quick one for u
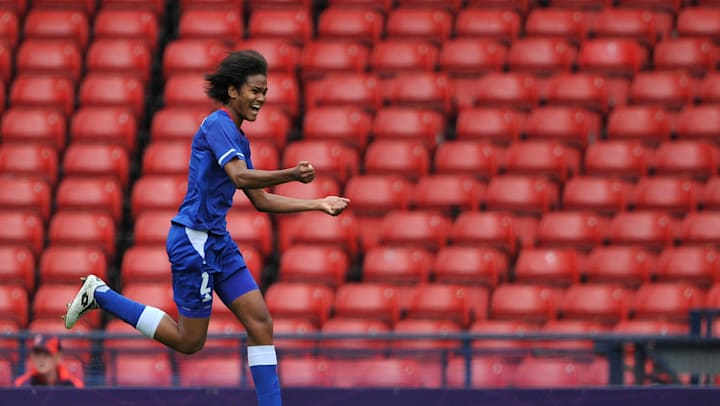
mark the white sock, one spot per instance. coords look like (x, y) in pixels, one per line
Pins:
(261, 355)
(149, 321)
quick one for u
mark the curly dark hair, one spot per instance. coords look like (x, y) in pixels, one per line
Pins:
(233, 71)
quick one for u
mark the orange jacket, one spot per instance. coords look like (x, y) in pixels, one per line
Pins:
(65, 378)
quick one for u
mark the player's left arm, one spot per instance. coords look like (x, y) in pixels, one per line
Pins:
(269, 202)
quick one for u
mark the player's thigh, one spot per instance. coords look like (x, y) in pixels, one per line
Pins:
(239, 291)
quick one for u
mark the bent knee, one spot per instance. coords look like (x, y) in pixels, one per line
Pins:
(189, 347)
(262, 325)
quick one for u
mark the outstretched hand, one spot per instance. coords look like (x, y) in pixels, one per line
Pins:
(334, 205)
(304, 172)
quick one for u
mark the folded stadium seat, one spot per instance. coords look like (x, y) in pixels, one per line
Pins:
(417, 228)
(585, 90)
(216, 370)
(314, 264)
(556, 22)
(219, 24)
(488, 229)
(603, 303)
(698, 22)
(293, 24)
(22, 228)
(285, 93)
(447, 302)
(623, 159)
(521, 194)
(531, 303)
(148, 263)
(280, 54)
(134, 23)
(324, 56)
(18, 267)
(65, 265)
(33, 161)
(696, 55)
(587, 5)
(605, 196)
(672, 90)
(700, 228)
(178, 123)
(187, 90)
(570, 327)
(75, 345)
(552, 267)
(515, 90)
(635, 24)
(709, 88)
(574, 127)
(134, 344)
(105, 125)
(346, 124)
(27, 194)
(121, 56)
(113, 90)
(468, 157)
(541, 56)
(318, 228)
(251, 228)
(424, 348)
(419, 23)
(448, 193)
(549, 373)
(711, 194)
(688, 158)
(155, 159)
(9, 27)
(57, 24)
(407, 123)
(281, 326)
(464, 90)
(498, 24)
(420, 90)
(697, 265)
(627, 266)
(272, 127)
(648, 228)
(34, 125)
(345, 89)
(650, 327)
(357, 347)
(97, 195)
(546, 158)
(611, 56)
(381, 373)
(87, 229)
(58, 93)
(356, 24)
(304, 372)
(508, 348)
(157, 7)
(300, 300)
(648, 124)
(192, 55)
(470, 265)
(712, 300)
(580, 230)
(377, 194)
(321, 186)
(701, 122)
(14, 304)
(674, 195)
(394, 57)
(158, 294)
(497, 125)
(131, 369)
(97, 160)
(151, 227)
(397, 265)
(367, 301)
(486, 372)
(471, 56)
(327, 157)
(397, 157)
(50, 301)
(669, 301)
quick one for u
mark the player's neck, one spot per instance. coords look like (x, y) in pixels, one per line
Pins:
(233, 115)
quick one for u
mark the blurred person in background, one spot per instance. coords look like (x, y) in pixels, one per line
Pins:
(47, 369)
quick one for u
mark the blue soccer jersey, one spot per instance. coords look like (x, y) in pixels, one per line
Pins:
(210, 190)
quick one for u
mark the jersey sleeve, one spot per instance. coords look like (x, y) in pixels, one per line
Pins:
(223, 141)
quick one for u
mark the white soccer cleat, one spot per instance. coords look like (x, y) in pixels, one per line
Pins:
(84, 301)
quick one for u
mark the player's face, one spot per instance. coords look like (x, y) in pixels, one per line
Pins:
(250, 97)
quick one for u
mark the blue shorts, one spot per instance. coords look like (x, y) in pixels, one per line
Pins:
(203, 262)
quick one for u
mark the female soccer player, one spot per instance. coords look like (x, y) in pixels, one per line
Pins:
(202, 254)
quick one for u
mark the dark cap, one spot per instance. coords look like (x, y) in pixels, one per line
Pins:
(46, 343)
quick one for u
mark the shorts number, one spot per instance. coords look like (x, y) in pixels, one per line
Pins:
(204, 288)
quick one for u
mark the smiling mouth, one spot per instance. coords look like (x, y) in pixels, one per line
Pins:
(255, 108)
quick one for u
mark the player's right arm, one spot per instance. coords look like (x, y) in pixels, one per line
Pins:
(246, 178)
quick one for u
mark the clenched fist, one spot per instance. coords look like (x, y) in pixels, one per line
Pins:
(334, 205)
(304, 172)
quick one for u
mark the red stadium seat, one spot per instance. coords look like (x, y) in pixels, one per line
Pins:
(90, 195)
(112, 347)
(586, 5)
(83, 229)
(216, 370)
(635, 24)
(265, 155)
(626, 159)
(516, 90)
(572, 126)
(501, 327)
(320, 187)
(595, 302)
(59, 93)
(323, 57)
(220, 24)
(672, 194)
(533, 303)
(11, 349)
(369, 301)
(697, 55)
(667, 89)
(140, 370)
(24, 193)
(273, 126)
(579, 230)
(556, 22)
(487, 372)
(618, 56)
(649, 327)
(367, 326)
(603, 195)
(67, 264)
(397, 157)
(698, 22)
(155, 158)
(709, 88)
(121, 56)
(407, 123)
(417, 228)
(345, 89)
(157, 193)
(622, 265)
(290, 326)
(346, 124)
(560, 267)
(281, 55)
(659, 5)
(21, 228)
(385, 372)
(312, 302)
(14, 304)
(319, 229)
(498, 125)
(326, 156)
(490, 229)
(127, 23)
(420, 90)
(35, 161)
(393, 57)
(9, 27)
(548, 373)
(251, 228)
(187, 90)
(55, 57)
(379, 5)
(116, 90)
(470, 266)
(468, 157)
(34, 125)
(17, 267)
(158, 294)
(311, 264)
(149, 264)
(345, 23)
(470, 56)
(584, 327)
(157, 7)
(192, 56)
(667, 301)
(586, 90)
(177, 124)
(151, 227)
(304, 372)
(426, 347)
(521, 5)
(521, 194)
(697, 265)
(541, 55)
(397, 265)
(6, 66)
(293, 24)
(377, 194)
(285, 93)
(711, 194)
(428, 24)
(448, 193)
(57, 24)
(498, 24)
(86, 6)
(97, 160)
(105, 125)
(548, 158)
(652, 229)
(76, 345)
(693, 158)
(700, 122)
(441, 302)
(700, 228)
(50, 302)
(649, 124)
(211, 4)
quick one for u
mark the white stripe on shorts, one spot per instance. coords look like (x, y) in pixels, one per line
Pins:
(198, 240)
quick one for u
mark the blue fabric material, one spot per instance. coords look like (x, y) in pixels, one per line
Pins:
(118, 305)
(267, 385)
